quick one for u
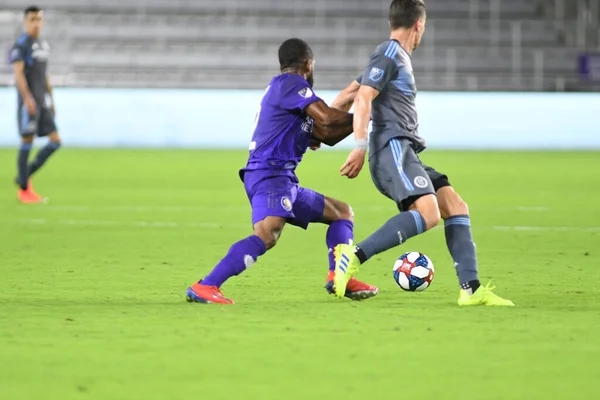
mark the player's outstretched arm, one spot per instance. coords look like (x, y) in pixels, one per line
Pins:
(345, 99)
(331, 125)
(362, 111)
(362, 116)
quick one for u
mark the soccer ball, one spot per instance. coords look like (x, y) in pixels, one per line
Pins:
(413, 272)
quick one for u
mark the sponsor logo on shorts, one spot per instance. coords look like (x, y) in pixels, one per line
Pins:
(376, 74)
(286, 204)
(421, 182)
(306, 93)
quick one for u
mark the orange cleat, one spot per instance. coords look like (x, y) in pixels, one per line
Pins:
(355, 289)
(29, 197)
(199, 293)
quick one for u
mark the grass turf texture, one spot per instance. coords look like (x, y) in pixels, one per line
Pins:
(92, 286)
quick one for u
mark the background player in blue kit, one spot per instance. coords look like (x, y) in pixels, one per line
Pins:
(386, 91)
(289, 118)
(35, 113)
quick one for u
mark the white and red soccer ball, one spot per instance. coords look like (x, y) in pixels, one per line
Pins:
(413, 272)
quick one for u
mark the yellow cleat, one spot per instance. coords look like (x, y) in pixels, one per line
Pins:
(346, 266)
(483, 296)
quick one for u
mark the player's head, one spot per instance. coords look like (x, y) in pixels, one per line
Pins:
(33, 19)
(296, 55)
(409, 15)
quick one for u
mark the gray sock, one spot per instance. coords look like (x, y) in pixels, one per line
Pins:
(394, 232)
(43, 155)
(22, 158)
(460, 243)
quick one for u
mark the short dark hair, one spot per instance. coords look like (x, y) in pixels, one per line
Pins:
(32, 9)
(294, 53)
(406, 13)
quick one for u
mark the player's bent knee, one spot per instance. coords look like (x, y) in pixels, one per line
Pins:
(269, 237)
(463, 208)
(336, 210)
(432, 217)
(428, 207)
(269, 230)
(345, 212)
(451, 204)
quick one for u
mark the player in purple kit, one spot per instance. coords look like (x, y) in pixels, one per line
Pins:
(291, 118)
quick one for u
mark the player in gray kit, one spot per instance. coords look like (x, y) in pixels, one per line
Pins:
(35, 114)
(386, 92)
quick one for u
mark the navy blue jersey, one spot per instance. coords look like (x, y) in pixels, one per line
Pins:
(34, 52)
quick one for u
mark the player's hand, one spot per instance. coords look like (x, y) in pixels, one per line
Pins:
(30, 105)
(314, 144)
(354, 163)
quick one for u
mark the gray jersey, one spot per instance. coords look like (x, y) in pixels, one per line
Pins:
(394, 112)
(34, 53)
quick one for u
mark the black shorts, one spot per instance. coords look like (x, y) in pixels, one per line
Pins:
(41, 124)
(399, 174)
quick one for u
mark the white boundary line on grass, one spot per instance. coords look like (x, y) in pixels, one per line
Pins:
(136, 224)
(548, 228)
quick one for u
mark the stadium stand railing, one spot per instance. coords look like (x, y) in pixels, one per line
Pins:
(469, 44)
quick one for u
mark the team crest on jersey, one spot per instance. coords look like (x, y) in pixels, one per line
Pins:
(421, 182)
(306, 93)
(376, 74)
(286, 204)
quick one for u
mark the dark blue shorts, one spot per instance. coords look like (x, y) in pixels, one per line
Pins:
(41, 124)
(280, 196)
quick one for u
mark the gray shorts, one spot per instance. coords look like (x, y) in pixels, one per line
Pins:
(40, 125)
(399, 174)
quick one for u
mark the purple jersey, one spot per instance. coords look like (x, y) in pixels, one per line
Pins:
(282, 128)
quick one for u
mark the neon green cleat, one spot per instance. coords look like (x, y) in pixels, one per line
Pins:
(346, 266)
(483, 296)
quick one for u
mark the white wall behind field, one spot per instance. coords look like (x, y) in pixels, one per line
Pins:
(107, 118)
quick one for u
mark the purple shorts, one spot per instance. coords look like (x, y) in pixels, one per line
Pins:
(280, 196)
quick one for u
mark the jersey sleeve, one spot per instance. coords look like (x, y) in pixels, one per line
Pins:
(17, 53)
(379, 72)
(296, 94)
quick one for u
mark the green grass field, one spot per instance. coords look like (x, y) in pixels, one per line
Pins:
(92, 286)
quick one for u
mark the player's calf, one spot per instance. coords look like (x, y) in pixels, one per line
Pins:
(22, 160)
(459, 239)
(336, 210)
(422, 215)
(44, 154)
(450, 203)
(241, 255)
(269, 230)
(429, 209)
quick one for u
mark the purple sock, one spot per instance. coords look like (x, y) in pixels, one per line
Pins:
(339, 232)
(241, 255)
